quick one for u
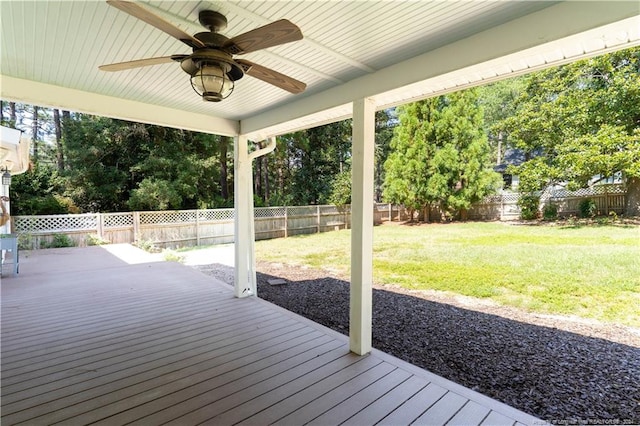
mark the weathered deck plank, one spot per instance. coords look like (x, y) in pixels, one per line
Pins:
(104, 342)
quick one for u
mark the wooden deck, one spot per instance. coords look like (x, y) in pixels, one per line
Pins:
(90, 338)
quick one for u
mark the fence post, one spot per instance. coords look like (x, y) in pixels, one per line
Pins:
(197, 227)
(99, 224)
(318, 219)
(136, 226)
(286, 221)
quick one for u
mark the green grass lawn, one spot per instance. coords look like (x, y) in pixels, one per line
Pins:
(590, 271)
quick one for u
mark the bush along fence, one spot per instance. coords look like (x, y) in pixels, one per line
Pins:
(185, 228)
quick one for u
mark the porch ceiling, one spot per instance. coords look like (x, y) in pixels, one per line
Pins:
(393, 52)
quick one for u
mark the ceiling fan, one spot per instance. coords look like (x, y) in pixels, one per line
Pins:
(212, 66)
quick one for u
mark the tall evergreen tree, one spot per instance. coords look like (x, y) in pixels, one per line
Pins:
(440, 155)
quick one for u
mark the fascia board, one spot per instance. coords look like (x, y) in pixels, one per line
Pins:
(32, 92)
(553, 23)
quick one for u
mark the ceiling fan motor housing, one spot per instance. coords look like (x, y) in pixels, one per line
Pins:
(213, 21)
(211, 39)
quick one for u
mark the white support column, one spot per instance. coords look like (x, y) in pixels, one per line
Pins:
(245, 277)
(245, 282)
(360, 315)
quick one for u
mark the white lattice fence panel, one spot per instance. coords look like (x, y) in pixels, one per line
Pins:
(269, 212)
(165, 217)
(117, 220)
(55, 223)
(588, 192)
(614, 189)
(510, 197)
(216, 214)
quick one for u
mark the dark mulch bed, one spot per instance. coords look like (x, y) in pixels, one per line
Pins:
(554, 368)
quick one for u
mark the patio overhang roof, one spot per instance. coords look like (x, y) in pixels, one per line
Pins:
(396, 56)
(357, 56)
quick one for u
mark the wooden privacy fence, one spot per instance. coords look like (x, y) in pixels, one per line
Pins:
(179, 228)
(608, 198)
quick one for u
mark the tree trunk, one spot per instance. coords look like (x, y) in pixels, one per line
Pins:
(265, 178)
(12, 114)
(257, 175)
(224, 188)
(59, 152)
(35, 134)
(632, 199)
(280, 179)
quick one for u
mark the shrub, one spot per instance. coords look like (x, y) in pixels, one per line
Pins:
(172, 256)
(588, 208)
(155, 194)
(550, 211)
(148, 246)
(95, 240)
(25, 241)
(58, 241)
(341, 189)
(529, 206)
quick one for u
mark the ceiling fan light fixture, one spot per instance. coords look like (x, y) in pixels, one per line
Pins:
(211, 82)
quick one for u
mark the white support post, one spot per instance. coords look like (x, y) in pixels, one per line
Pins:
(245, 282)
(245, 278)
(360, 315)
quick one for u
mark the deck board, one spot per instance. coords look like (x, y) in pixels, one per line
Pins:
(443, 410)
(387, 403)
(471, 413)
(414, 406)
(356, 403)
(97, 340)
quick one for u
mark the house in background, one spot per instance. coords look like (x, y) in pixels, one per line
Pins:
(512, 157)
(515, 157)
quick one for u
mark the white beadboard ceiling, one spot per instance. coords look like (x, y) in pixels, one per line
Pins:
(391, 51)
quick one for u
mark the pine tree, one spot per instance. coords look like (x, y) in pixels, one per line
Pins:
(440, 156)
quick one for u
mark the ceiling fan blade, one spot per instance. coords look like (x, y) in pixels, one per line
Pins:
(121, 66)
(273, 34)
(150, 18)
(272, 77)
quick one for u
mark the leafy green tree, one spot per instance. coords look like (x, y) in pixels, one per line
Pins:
(386, 120)
(113, 165)
(37, 192)
(579, 121)
(306, 163)
(155, 194)
(498, 101)
(100, 153)
(341, 189)
(440, 155)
